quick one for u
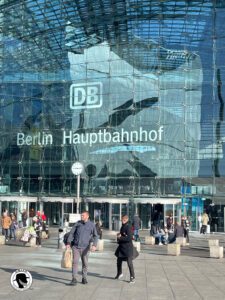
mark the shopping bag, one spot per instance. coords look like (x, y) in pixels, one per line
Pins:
(66, 261)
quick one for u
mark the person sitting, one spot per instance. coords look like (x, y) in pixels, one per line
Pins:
(157, 233)
(165, 237)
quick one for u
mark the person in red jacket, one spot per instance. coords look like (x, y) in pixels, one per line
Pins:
(43, 217)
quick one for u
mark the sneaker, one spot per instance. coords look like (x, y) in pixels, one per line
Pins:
(132, 280)
(73, 281)
(160, 244)
(119, 276)
(84, 281)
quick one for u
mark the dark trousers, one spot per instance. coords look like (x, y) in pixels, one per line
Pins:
(38, 238)
(5, 232)
(186, 235)
(204, 229)
(83, 254)
(129, 263)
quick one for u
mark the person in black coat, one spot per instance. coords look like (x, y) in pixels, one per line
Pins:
(124, 251)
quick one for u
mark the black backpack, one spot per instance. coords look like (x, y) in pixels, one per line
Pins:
(65, 238)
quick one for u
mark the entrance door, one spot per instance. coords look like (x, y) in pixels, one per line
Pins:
(100, 212)
(53, 211)
(174, 211)
(116, 216)
(193, 207)
(157, 215)
(145, 214)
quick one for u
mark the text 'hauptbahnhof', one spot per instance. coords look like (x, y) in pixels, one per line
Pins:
(133, 90)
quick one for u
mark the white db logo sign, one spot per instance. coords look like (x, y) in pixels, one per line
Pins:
(86, 95)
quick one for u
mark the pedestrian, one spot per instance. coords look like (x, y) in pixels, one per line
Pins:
(44, 224)
(38, 230)
(24, 218)
(13, 226)
(99, 229)
(169, 222)
(43, 216)
(6, 222)
(124, 251)
(82, 235)
(179, 230)
(159, 234)
(186, 225)
(136, 225)
(200, 222)
(205, 220)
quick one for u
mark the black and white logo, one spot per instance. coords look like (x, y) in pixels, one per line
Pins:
(21, 280)
(86, 95)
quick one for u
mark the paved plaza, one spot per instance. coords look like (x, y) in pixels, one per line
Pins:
(192, 275)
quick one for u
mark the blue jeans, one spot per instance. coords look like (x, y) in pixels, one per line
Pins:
(136, 234)
(159, 236)
(12, 233)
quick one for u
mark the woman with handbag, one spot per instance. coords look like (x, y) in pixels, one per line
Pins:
(125, 251)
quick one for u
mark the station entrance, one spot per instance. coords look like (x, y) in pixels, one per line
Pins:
(157, 211)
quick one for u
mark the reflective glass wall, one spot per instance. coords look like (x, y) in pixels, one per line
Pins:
(132, 89)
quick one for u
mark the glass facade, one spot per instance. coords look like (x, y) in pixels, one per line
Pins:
(133, 89)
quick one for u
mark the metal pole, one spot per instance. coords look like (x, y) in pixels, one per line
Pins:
(78, 193)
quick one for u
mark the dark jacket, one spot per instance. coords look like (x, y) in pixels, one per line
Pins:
(179, 231)
(137, 222)
(82, 234)
(125, 248)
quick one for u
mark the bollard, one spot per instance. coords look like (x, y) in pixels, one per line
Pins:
(2, 240)
(173, 249)
(150, 240)
(216, 251)
(213, 243)
(181, 241)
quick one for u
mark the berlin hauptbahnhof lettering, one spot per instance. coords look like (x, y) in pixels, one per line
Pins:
(97, 137)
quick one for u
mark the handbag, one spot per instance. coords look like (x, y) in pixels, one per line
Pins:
(135, 253)
(66, 261)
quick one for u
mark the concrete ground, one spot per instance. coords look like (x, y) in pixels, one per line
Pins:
(192, 275)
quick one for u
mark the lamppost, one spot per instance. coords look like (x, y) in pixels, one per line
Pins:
(77, 168)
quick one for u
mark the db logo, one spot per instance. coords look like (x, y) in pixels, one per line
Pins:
(86, 95)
